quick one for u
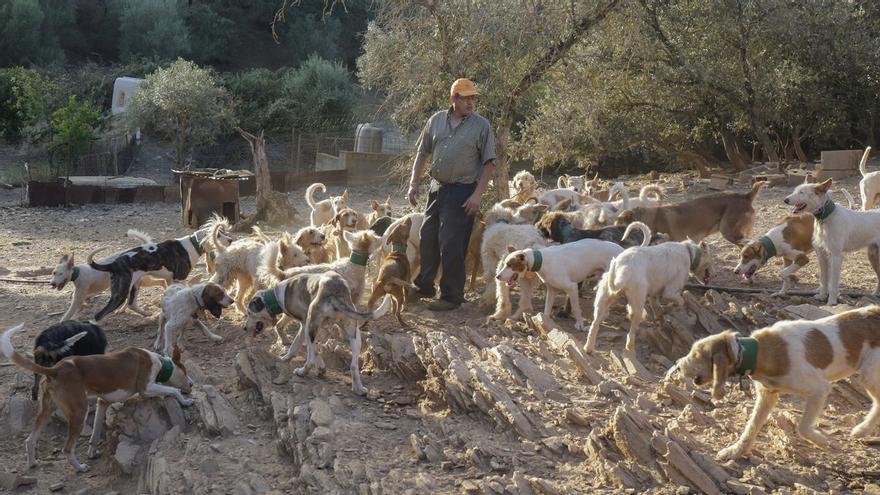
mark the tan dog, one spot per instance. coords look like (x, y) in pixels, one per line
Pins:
(379, 210)
(323, 211)
(113, 377)
(394, 274)
(730, 213)
(346, 220)
(800, 357)
(473, 261)
(313, 242)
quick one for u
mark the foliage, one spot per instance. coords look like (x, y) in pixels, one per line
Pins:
(210, 33)
(26, 100)
(29, 31)
(309, 34)
(254, 92)
(152, 28)
(182, 102)
(73, 128)
(317, 95)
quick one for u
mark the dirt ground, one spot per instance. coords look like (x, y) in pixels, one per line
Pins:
(487, 408)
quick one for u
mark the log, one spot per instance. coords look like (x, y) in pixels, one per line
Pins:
(523, 370)
(630, 365)
(273, 207)
(502, 403)
(680, 467)
(24, 281)
(756, 290)
(564, 345)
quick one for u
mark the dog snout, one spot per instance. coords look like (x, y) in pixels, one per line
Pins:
(736, 271)
(786, 201)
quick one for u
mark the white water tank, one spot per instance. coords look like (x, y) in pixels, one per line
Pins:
(368, 139)
(123, 88)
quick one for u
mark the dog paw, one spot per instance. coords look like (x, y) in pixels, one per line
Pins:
(579, 326)
(83, 468)
(359, 390)
(821, 296)
(861, 430)
(300, 371)
(816, 438)
(186, 402)
(778, 294)
(93, 454)
(728, 453)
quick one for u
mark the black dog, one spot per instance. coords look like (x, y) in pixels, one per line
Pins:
(176, 257)
(53, 344)
(556, 227)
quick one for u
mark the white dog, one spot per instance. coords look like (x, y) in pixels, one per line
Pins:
(800, 357)
(555, 268)
(525, 186)
(578, 183)
(647, 271)
(837, 230)
(869, 186)
(325, 210)
(182, 305)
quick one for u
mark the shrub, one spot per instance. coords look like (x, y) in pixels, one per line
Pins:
(152, 28)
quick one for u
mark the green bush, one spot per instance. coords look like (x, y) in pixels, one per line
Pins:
(152, 28)
(254, 92)
(26, 100)
(183, 102)
(210, 34)
(73, 128)
(29, 31)
(319, 95)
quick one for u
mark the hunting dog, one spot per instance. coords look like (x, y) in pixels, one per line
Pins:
(112, 377)
(394, 274)
(183, 305)
(173, 259)
(413, 243)
(241, 261)
(525, 186)
(799, 357)
(314, 299)
(553, 266)
(325, 210)
(557, 227)
(63, 339)
(88, 282)
(313, 241)
(378, 210)
(837, 230)
(730, 213)
(869, 186)
(647, 271)
(577, 183)
(348, 220)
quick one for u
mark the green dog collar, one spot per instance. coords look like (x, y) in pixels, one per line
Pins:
(196, 244)
(826, 210)
(748, 357)
(769, 247)
(271, 301)
(166, 371)
(359, 258)
(75, 274)
(537, 261)
(398, 248)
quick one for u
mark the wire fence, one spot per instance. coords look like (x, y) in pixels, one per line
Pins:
(111, 156)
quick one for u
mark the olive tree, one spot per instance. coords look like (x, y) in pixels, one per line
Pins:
(184, 103)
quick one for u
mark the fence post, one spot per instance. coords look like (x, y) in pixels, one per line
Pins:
(299, 139)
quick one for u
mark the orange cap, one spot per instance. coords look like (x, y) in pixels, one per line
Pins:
(464, 87)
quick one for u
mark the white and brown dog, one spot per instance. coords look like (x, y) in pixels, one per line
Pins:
(553, 265)
(800, 357)
(88, 282)
(346, 220)
(112, 377)
(323, 211)
(379, 210)
(837, 230)
(647, 271)
(183, 305)
(313, 299)
(869, 186)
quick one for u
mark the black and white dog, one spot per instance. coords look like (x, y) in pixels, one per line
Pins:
(174, 259)
(63, 339)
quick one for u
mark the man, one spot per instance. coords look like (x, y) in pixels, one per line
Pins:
(461, 145)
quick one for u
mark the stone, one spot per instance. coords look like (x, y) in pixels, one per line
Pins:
(385, 425)
(321, 413)
(217, 413)
(11, 481)
(20, 412)
(126, 455)
(54, 487)
(433, 454)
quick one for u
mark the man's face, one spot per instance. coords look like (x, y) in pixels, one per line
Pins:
(463, 105)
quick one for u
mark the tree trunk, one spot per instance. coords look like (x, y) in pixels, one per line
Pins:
(272, 206)
(766, 143)
(502, 169)
(796, 142)
(733, 151)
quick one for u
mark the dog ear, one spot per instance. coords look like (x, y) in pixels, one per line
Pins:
(345, 196)
(388, 200)
(175, 355)
(823, 187)
(374, 205)
(720, 370)
(69, 259)
(282, 244)
(510, 248)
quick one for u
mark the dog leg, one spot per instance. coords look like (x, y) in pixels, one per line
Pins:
(97, 427)
(788, 276)
(207, 331)
(812, 409)
(822, 258)
(295, 345)
(636, 299)
(874, 258)
(76, 304)
(574, 298)
(158, 390)
(75, 407)
(834, 265)
(502, 305)
(600, 312)
(526, 289)
(764, 403)
(549, 295)
(160, 332)
(355, 342)
(310, 329)
(870, 374)
(47, 406)
(863, 192)
(281, 331)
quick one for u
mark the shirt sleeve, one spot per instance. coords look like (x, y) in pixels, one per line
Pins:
(425, 144)
(487, 145)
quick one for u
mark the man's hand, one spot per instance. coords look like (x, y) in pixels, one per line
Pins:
(472, 205)
(413, 195)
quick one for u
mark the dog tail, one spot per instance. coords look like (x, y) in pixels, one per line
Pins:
(619, 188)
(215, 237)
(562, 182)
(139, 235)
(260, 234)
(90, 259)
(651, 190)
(270, 268)
(310, 193)
(849, 197)
(755, 188)
(18, 359)
(344, 308)
(646, 232)
(401, 282)
(863, 165)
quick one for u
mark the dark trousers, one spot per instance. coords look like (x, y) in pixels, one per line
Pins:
(444, 239)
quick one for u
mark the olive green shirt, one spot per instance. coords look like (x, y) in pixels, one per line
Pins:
(457, 155)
